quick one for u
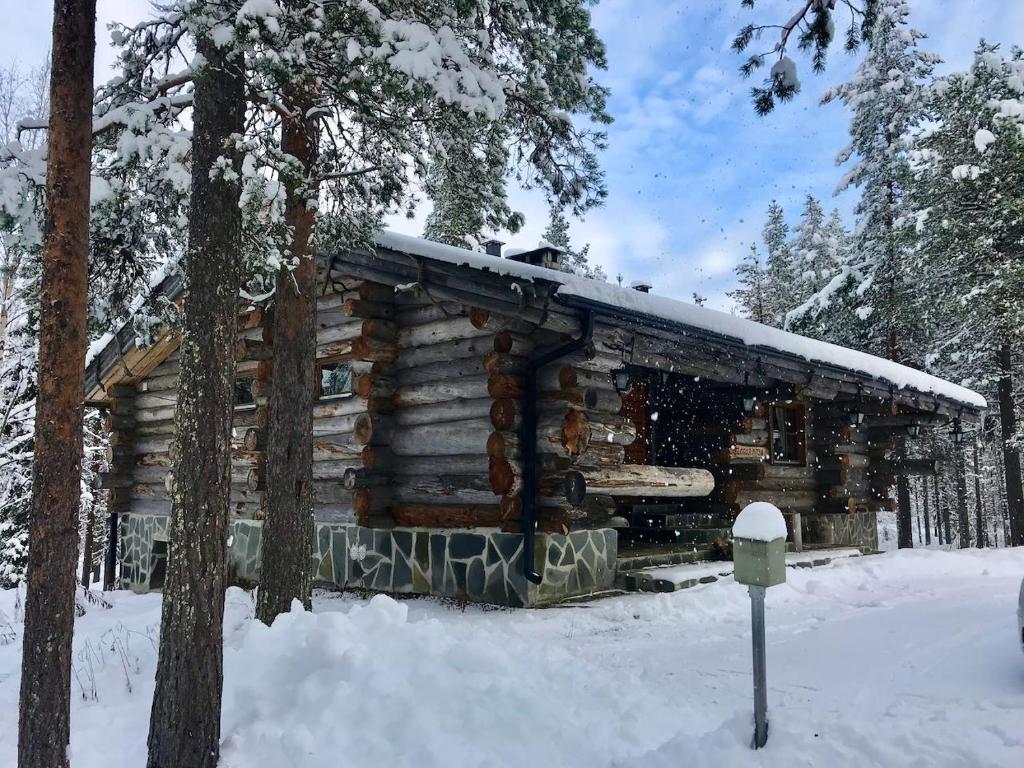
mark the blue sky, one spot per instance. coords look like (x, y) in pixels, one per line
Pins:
(690, 168)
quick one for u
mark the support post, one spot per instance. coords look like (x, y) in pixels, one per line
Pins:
(760, 666)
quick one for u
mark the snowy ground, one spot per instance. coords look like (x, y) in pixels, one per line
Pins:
(901, 659)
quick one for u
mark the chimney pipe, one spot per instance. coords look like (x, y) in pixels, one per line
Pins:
(641, 285)
(493, 247)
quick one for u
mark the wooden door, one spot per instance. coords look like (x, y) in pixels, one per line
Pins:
(636, 408)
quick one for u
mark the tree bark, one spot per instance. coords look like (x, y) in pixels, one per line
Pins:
(979, 515)
(45, 703)
(285, 573)
(904, 518)
(1011, 456)
(964, 523)
(927, 520)
(185, 721)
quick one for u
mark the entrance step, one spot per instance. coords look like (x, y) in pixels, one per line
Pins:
(672, 535)
(672, 578)
(632, 557)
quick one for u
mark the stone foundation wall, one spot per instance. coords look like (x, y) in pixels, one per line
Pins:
(481, 565)
(843, 529)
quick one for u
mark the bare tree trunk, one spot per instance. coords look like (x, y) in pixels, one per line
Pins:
(917, 515)
(946, 523)
(904, 517)
(964, 523)
(979, 524)
(44, 710)
(185, 721)
(1011, 456)
(88, 546)
(927, 520)
(285, 573)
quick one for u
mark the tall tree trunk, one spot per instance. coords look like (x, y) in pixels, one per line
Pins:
(963, 522)
(927, 520)
(185, 722)
(88, 546)
(904, 518)
(946, 523)
(979, 525)
(285, 573)
(45, 704)
(1011, 456)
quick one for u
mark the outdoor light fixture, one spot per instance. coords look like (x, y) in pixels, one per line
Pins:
(914, 429)
(748, 404)
(958, 435)
(621, 381)
(855, 416)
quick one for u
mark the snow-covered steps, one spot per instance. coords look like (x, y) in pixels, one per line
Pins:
(672, 578)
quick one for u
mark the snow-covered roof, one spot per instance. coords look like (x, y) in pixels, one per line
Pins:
(746, 331)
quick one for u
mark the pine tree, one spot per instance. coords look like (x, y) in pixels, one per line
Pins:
(45, 698)
(809, 248)
(885, 95)
(780, 267)
(970, 225)
(576, 261)
(811, 26)
(831, 313)
(184, 724)
(751, 296)
(467, 186)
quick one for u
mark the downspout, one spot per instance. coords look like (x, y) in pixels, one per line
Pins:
(528, 519)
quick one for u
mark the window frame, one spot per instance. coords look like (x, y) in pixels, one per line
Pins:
(320, 365)
(246, 406)
(798, 408)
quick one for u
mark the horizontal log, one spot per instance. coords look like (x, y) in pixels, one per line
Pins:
(496, 363)
(448, 516)
(638, 480)
(442, 370)
(350, 405)
(438, 332)
(427, 313)
(506, 477)
(445, 439)
(417, 356)
(435, 413)
(508, 343)
(337, 447)
(251, 349)
(505, 385)
(456, 388)
(359, 477)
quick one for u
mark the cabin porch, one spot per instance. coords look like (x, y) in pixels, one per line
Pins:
(766, 444)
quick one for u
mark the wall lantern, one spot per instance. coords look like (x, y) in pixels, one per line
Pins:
(914, 430)
(958, 435)
(749, 403)
(621, 381)
(855, 417)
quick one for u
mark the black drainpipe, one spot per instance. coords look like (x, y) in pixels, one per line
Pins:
(528, 520)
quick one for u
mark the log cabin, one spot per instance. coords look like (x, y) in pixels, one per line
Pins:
(497, 430)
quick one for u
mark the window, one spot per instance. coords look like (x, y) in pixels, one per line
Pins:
(334, 379)
(787, 432)
(243, 393)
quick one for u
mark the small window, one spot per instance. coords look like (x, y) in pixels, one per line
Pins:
(335, 379)
(243, 393)
(787, 431)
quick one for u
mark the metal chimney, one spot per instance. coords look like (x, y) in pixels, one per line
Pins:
(493, 247)
(641, 285)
